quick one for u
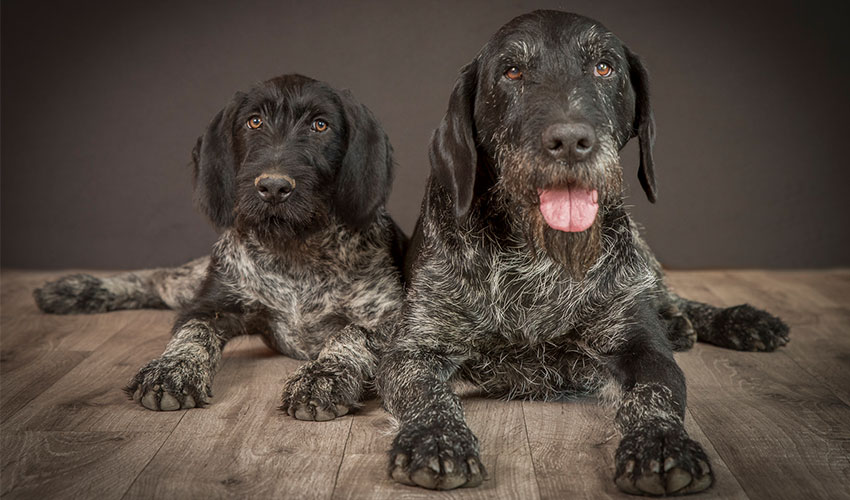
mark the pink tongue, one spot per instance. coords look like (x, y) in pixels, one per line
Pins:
(572, 210)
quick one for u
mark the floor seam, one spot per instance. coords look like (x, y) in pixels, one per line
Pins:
(142, 471)
(530, 454)
(342, 457)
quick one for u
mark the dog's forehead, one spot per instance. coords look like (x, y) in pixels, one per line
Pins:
(538, 33)
(293, 93)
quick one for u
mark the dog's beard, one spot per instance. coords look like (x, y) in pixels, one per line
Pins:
(523, 175)
(280, 228)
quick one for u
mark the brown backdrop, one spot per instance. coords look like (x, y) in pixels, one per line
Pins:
(102, 102)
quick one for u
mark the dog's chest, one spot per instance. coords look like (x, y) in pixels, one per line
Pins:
(307, 300)
(545, 370)
(294, 300)
(518, 295)
(536, 347)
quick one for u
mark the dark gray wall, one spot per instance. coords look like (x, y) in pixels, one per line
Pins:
(102, 102)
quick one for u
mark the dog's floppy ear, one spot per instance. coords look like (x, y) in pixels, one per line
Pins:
(644, 126)
(365, 177)
(453, 154)
(214, 169)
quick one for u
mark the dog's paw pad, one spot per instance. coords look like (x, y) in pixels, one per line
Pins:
(316, 393)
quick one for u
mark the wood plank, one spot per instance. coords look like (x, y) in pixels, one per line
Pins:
(242, 445)
(25, 374)
(90, 396)
(573, 446)
(818, 343)
(74, 464)
(779, 421)
(23, 326)
(301, 462)
(779, 430)
(499, 425)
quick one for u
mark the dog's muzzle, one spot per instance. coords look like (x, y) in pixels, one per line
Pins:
(274, 188)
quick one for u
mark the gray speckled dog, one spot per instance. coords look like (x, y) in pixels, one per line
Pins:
(296, 174)
(526, 275)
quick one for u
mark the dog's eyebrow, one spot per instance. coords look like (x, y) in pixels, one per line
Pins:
(598, 42)
(521, 50)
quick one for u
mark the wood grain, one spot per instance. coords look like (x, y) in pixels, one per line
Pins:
(90, 396)
(25, 374)
(776, 425)
(74, 464)
(500, 428)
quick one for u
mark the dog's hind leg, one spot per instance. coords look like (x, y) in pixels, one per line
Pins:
(336, 381)
(742, 327)
(149, 288)
(680, 331)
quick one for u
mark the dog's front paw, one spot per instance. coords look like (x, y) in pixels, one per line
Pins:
(441, 456)
(172, 383)
(661, 460)
(73, 294)
(321, 391)
(746, 328)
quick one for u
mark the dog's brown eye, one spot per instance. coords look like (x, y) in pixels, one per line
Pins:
(319, 125)
(603, 69)
(513, 73)
(255, 122)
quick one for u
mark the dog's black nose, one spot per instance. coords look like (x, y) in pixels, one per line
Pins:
(274, 188)
(569, 141)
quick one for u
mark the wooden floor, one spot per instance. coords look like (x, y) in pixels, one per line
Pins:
(775, 425)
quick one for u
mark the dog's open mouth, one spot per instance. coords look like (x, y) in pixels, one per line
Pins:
(571, 208)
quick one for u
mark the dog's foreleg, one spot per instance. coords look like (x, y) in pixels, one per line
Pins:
(655, 456)
(143, 289)
(434, 447)
(182, 377)
(335, 382)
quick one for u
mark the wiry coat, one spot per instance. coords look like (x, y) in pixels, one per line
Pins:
(311, 263)
(498, 297)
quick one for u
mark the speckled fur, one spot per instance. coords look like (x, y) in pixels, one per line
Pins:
(150, 288)
(498, 298)
(316, 276)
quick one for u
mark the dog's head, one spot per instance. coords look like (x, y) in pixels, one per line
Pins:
(287, 156)
(543, 110)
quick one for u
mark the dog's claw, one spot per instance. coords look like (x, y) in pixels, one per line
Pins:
(677, 479)
(650, 483)
(149, 401)
(435, 460)
(168, 402)
(312, 394)
(399, 470)
(425, 477)
(641, 470)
